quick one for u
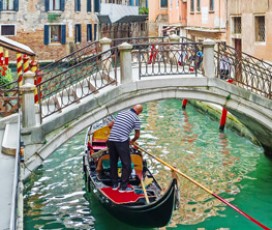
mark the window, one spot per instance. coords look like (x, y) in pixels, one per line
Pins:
(96, 6)
(192, 5)
(77, 33)
(77, 5)
(7, 30)
(198, 7)
(89, 32)
(211, 5)
(9, 5)
(237, 25)
(89, 5)
(51, 5)
(164, 3)
(260, 28)
(54, 34)
(90, 36)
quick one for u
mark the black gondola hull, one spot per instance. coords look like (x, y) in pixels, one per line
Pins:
(155, 214)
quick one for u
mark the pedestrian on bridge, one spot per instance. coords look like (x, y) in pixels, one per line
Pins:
(124, 123)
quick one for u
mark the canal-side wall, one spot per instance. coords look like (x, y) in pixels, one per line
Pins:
(215, 112)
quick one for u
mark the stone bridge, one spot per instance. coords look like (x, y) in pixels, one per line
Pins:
(71, 108)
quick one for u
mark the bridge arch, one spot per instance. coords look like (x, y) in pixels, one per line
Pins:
(252, 110)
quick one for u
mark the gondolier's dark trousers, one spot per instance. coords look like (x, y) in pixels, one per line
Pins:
(116, 150)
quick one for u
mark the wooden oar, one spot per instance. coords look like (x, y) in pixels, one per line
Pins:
(207, 190)
(145, 193)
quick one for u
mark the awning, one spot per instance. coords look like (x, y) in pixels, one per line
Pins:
(15, 46)
(105, 19)
(133, 18)
(170, 28)
(208, 30)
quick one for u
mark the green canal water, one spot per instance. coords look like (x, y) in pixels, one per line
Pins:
(225, 163)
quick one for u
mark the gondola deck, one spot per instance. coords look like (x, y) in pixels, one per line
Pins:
(122, 198)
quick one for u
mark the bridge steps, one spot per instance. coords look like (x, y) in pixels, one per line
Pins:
(8, 137)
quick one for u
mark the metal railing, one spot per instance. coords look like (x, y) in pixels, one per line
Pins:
(60, 65)
(247, 71)
(76, 76)
(78, 81)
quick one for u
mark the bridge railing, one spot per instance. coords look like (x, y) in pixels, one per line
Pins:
(60, 65)
(247, 71)
(78, 81)
(160, 59)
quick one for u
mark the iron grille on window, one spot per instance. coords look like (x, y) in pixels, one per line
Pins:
(260, 28)
(211, 5)
(198, 5)
(192, 5)
(237, 25)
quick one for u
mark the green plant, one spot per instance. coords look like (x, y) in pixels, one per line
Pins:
(51, 17)
(5, 75)
(143, 10)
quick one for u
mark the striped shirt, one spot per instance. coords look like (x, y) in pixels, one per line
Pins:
(124, 123)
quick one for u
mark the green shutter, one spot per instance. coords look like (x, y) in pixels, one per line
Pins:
(62, 5)
(89, 5)
(63, 34)
(96, 6)
(46, 5)
(46, 35)
(16, 5)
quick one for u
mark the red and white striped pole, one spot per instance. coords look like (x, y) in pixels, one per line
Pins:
(1, 56)
(19, 62)
(223, 119)
(34, 67)
(184, 103)
(224, 114)
(25, 63)
(6, 59)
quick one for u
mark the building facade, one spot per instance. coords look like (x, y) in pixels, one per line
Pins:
(55, 28)
(250, 27)
(206, 19)
(52, 28)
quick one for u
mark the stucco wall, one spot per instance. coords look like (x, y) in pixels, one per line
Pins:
(29, 24)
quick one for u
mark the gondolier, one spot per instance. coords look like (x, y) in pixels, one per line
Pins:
(118, 143)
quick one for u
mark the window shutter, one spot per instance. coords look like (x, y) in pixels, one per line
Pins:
(62, 5)
(96, 6)
(131, 2)
(95, 31)
(137, 2)
(46, 5)
(16, 5)
(1, 5)
(77, 5)
(89, 5)
(46, 35)
(89, 32)
(78, 33)
(63, 34)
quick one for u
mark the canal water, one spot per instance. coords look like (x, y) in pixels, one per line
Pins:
(225, 163)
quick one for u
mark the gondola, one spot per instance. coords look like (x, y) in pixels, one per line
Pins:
(146, 206)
